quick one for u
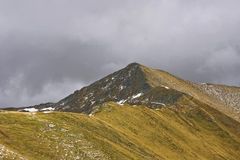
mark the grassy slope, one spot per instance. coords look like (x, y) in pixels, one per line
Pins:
(123, 132)
(156, 77)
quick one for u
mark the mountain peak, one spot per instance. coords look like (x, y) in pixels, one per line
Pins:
(133, 67)
(119, 86)
(134, 64)
(138, 84)
(134, 84)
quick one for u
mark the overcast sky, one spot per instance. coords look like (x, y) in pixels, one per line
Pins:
(49, 48)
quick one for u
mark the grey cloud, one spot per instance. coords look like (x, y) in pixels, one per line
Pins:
(50, 48)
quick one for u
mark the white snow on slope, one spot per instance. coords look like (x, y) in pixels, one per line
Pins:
(137, 95)
(30, 109)
(121, 102)
(48, 109)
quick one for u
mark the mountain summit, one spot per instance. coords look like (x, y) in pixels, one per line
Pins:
(134, 113)
(128, 85)
(137, 84)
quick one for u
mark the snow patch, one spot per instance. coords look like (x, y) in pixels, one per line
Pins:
(48, 109)
(121, 102)
(30, 109)
(137, 95)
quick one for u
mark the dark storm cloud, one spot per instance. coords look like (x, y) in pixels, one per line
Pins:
(49, 48)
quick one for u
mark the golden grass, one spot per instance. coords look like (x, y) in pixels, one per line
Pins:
(185, 131)
(157, 77)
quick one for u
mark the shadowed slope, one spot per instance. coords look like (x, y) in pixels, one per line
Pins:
(115, 87)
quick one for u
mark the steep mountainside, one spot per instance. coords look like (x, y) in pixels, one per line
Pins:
(224, 98)
(138, 84)
(122, 85)
(188, 130)
(134, 113)
(129, 85)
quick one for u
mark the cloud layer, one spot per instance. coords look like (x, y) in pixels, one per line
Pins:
(50, 48)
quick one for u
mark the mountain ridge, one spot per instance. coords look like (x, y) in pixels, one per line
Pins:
(128, 85)
(134, 113)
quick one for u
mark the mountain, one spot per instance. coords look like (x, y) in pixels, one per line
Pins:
(138, 84)
(135, 113)
(129, 85)
(135, 84)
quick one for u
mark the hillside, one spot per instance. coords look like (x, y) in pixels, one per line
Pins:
(222, 97)
(133, 83)
(116, 131)
(134, 113)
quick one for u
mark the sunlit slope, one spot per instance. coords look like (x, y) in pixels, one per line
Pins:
(223, 98)
(188, 130)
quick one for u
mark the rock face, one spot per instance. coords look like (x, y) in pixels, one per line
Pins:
(128, 85)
